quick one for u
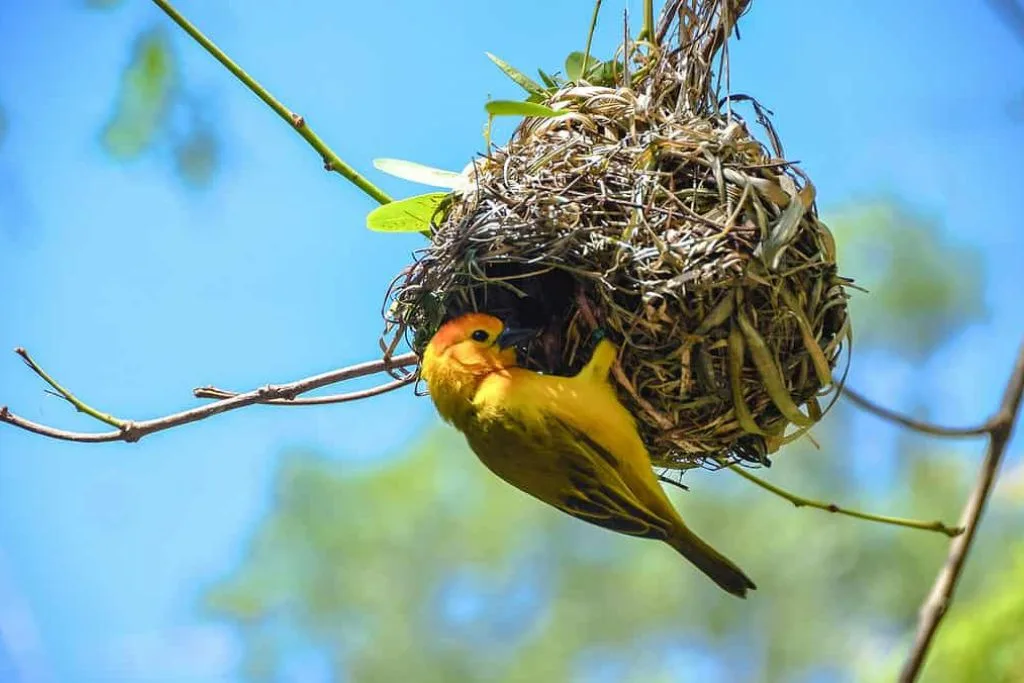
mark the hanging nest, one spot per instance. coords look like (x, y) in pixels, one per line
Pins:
(651, 211)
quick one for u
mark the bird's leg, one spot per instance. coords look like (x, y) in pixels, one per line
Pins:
(598, 332)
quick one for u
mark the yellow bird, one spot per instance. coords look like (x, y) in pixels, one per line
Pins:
(566, 441)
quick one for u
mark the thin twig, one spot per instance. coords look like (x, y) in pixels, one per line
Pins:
(911, 423)
(332, 162)
(800, 501)
(79, 405)
(941, 596)
(131, 431)
(215, 393)
(668, 15)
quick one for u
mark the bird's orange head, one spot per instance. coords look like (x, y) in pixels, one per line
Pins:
(462, 353)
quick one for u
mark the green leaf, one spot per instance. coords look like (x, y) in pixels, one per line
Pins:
(574, 66)
(549, 81)
(516, 108)
(418, 173)
(607, 73)
(598, 72)
(413, 214)
(521, 79)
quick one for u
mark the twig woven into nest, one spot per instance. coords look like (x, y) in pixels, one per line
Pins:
(651, 212)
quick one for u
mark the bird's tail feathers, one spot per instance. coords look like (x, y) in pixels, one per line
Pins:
(716, 566)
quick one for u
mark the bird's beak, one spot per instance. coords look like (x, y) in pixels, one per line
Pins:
(511, 336)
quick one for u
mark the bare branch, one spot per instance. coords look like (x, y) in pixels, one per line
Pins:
(936, 605)
(911, 423)
(130, 431)
(215, 393)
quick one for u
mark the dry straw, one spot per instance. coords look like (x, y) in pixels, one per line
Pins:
(649, 209)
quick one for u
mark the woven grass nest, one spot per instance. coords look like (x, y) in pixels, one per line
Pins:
(656, 215)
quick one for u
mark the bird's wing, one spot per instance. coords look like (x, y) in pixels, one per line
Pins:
(564, 467)
(599, 494)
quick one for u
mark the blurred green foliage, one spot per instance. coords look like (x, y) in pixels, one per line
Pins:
(154, 111)
(985, 640)
(144, 101)
(428, 568)
(923, 287)
(197, 154)
(103, 4)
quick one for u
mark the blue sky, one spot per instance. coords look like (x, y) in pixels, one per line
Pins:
(133, 289)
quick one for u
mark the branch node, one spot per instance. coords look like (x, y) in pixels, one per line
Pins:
(298, 121)
(4, 412)
(130, 433)
(328, 165)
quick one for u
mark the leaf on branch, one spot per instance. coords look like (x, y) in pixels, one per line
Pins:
(574, 65)
(597, 73)
(419, 173)
(516, 108)
(549, 81)
(145, 97)
(406, 215)
(522, 80)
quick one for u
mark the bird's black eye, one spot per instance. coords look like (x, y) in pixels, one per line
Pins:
(480, 336)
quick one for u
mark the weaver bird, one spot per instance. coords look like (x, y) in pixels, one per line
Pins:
(566, 441)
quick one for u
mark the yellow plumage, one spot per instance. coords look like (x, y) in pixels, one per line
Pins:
(567, 441)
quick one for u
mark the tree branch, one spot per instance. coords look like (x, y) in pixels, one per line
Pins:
(1000, 429)
(911, 423)
(130, 431)
(800, 501)
(79, 405)
(215, 393)
(332, 162)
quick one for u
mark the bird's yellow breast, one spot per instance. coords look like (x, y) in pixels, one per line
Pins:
(588, 405)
